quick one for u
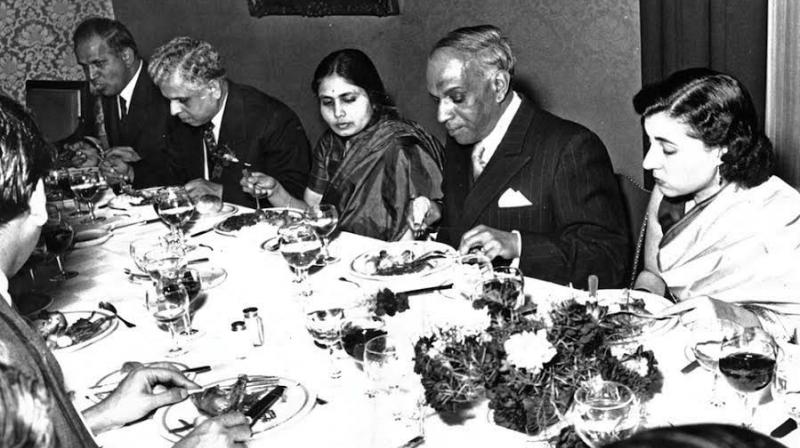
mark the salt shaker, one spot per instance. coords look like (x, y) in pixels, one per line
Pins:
(240, 339)
(255, 326)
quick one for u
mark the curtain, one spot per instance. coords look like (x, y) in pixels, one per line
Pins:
(36, 40)
(725, 35)
(783, 87)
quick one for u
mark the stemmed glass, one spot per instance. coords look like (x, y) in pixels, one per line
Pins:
(191, 280)
(323, 218)
(325, 326)
(603, 412)
(385, 362)
(164, 263)
(87, 184)
(175, 208)
(58, 236)
(707, 336)
(169, 305)
(300, 246)
(747, 361)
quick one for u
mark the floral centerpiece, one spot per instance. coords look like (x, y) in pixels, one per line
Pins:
(529, 364)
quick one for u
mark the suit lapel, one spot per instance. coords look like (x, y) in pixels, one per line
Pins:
(508, 159)
(137, 109)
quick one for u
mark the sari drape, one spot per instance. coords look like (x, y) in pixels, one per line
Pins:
(740, 246)
(372, 181)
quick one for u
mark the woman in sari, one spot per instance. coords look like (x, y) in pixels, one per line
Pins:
(370, 163)
(723, 234)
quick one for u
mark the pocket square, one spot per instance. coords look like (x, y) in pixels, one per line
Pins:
(513, 198)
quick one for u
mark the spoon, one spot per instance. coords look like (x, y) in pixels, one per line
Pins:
(112, 309)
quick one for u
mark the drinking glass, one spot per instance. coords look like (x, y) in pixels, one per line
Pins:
(58, 236)
(169, 305)
(87, 184)
(706, 338)
(747, 361)
(603, 412)
(387, 362)
(323, 218)
(475, 269)
(300, 246)
(54, 182)
(325, 326)
(175, 208)
(164, 263)
(786, 386)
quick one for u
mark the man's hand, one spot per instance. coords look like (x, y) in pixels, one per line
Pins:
(256, 183)
(85, 154)
(143, 390)
(200, 187)
(703, 308)
(227, 430)
(494, 243)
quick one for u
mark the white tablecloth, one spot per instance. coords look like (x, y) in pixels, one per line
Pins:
(349, 418)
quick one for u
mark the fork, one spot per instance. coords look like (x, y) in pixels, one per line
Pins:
(642, 315)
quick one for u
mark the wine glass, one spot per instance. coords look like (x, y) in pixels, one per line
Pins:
(747, 361)
(300, 246)
(325, 326)
(786, 386)
(175, 208)
(387, 362)
(323, 218)
(474, 270)
(706, 338)
(603, 412)
(58, 236)
(87, 184)
(164, 263)
(169, 305)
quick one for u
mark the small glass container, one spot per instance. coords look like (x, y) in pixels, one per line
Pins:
(240, 339)
(255, 326)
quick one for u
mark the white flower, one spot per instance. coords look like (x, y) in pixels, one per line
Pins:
(529, 350)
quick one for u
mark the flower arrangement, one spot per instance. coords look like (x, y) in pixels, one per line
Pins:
(529, 366)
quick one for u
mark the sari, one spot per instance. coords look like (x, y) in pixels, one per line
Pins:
(739, 246)
(373, 177)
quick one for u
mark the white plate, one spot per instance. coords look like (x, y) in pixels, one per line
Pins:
(224, 212)
(107, 328)
(268, 227)
(652, 303)
(211, 275)
(360, 266)
(297, 401)
(116, 377)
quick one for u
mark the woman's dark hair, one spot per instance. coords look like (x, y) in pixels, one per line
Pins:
(357, 69)
(706, 435)
(720, 113)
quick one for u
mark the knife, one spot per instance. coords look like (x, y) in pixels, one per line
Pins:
(426, 290)
(264, 404)
(116, 226)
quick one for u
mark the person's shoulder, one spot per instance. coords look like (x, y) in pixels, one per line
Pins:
(254, 97)
(555, 123)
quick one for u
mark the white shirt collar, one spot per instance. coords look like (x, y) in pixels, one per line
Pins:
(4, 288)
(127, 92)
(492, 141)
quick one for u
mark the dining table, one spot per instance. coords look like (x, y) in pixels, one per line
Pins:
(344, 412)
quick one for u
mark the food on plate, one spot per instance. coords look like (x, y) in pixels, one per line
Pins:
(276, 218)
(219, 400)
(405, 262)
(628, 326)
(141, 197)
(52, 325)
(208, 204)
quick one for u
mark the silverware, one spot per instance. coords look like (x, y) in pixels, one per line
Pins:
(135, 275)
(413, 443)
(185, 426)
(784, 428)
(264, 404)
(112, 309)
(202, 232)
(426, 290)
(642, 315)
(196, 370)
(198, 261)
(120, 225)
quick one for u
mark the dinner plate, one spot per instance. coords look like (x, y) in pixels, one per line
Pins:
(211, 275)
(91, 237)
(115, 377)
(276, 217)
(107, 328)
(297, 400)
(364, 264)
(654, 304)
(225, 211)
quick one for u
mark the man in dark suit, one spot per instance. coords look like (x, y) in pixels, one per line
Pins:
(519, 182)
(135, 114)
(226, 127)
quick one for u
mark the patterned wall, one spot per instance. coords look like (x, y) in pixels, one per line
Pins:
(36, 40)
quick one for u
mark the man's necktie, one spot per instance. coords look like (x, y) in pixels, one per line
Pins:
(211, 151)
(477, 161)
(123, 108)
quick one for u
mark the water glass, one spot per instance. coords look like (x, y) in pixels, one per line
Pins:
(603, 412)
(706, 338)
(58, 235)
(175, 208)
(87, 185)
(300, 246)
(323, 218)
(169, 305)
(325, 326)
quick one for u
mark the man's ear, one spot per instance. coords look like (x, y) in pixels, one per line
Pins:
(501, 83)
(127, 56)
(216, 89)
(37, 204)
